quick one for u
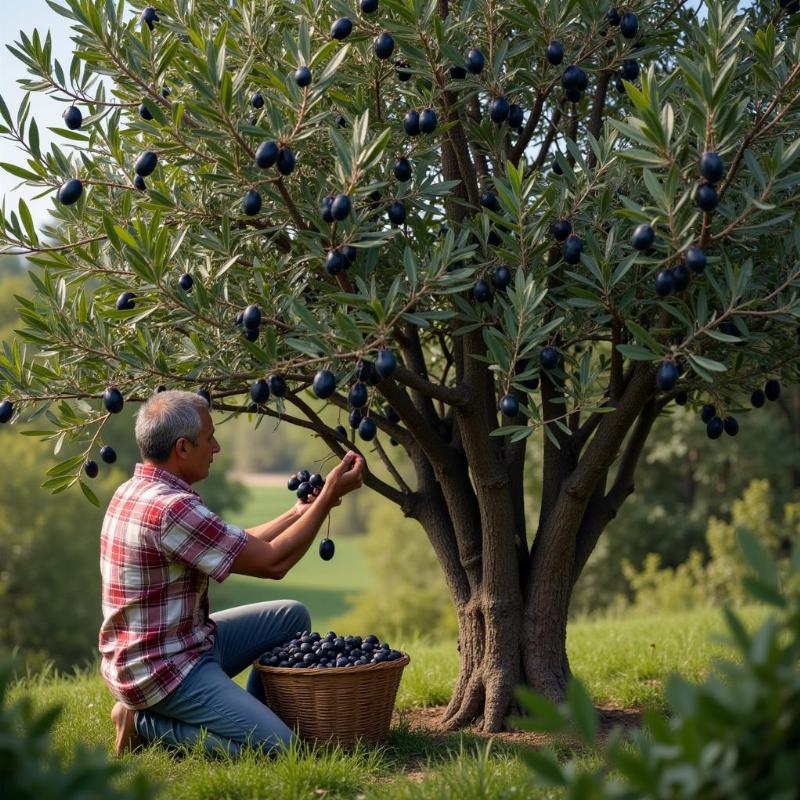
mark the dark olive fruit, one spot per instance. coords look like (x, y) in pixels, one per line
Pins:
(251, 334)
(358, 395)
(277, 385)
(402, 71)
(383, 46)
(149, 16)
(341, 121)
(682, 398)
(555, 52)
(69, 193)
(365, 370)
(680, 277)
(369, 6)
(411, 123)
(206, 395)
(326, 549)
(259, 391)
(573, 95)
(108, 454)
(427, 120)
(325, 208)
(90, 468)
(340, 208)
(138, 182)
(302, 76)
(324, 384)
(6, 411)
(397, 213)
(186, 281)
(708, 412)
(643, 237)
(490, 200)
(293, 483)
(772, 389)
(556, 167)
(498, 110)
(304, 475)
(481, 291)
(509, 405)
(251, 203)
(711, 167)
(714, 428)
(458, 73)
(757, 398)
(619, 85)
(251, 318)
(665, 282)
(160, 388)
(548, 357)
(474, 61)
(501, 277)
(146, 163)
(367, 429)
(573, 247)
(630, 69)
(561, 229)
(286, 161)
(355, 417)
(335, 262)
(303, 490)
(613, 17)
(267, 154)
(144, 112)
(516, 116)
(629, 25)
(731, 426)
(125, 302)
(402, 169)
(695, 259)
(392, 415)
(257, 100)
(340, 429)
(341, 29)
(316, 480)
(667, 376)
(493, 239)
(73, 118)
(574, 77)
(385, 363)
(706, 197)
(112, 400)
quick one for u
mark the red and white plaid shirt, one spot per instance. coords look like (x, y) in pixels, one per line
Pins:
(159, 546)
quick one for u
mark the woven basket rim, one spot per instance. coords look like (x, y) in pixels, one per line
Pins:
(307, 672)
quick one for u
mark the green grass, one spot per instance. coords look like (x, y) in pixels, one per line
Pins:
(321, 585)
(623, 662)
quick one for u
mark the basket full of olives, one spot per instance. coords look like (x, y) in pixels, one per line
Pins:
(333, 688)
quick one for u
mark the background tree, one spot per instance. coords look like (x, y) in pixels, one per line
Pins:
(259, 150)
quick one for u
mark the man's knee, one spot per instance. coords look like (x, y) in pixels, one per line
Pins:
(300, 616)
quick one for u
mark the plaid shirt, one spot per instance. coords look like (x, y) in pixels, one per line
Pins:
(159, 546)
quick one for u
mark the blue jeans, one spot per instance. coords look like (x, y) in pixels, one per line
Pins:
(208, 702)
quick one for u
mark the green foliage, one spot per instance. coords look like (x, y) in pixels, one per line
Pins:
(32, 769)
(719, 579)
(734, 735)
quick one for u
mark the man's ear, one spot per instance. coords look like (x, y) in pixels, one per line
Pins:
(180, 447)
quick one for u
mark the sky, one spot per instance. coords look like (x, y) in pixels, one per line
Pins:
(25, 15)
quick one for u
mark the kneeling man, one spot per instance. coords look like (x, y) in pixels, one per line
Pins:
(167, 661)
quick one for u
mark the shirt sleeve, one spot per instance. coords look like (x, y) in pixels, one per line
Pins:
(195, 536)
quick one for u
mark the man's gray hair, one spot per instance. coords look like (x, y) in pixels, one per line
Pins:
(165, 418)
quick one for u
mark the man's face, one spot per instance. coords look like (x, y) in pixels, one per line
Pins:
(196, 458)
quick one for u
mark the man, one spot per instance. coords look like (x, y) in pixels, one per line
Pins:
(168, 663)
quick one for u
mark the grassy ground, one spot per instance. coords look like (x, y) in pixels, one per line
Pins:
(624, 663)
(321, 585)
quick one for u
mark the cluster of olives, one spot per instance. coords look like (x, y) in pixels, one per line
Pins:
(314, 651)
(306, 485)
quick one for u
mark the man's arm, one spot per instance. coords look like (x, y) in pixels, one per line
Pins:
(269, 530)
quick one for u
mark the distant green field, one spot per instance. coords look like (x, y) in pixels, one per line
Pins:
(321, 585)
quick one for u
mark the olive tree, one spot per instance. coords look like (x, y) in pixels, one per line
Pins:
(457, 222)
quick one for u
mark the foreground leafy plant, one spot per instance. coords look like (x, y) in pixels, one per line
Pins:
(736, 735)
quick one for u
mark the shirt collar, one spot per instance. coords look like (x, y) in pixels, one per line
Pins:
(153, 473)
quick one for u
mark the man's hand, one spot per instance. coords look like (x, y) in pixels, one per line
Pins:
(345, 477)
(301, 506)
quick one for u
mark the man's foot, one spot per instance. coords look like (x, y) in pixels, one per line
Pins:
(127, 738)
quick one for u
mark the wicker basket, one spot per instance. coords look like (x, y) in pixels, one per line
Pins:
(338, 704)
